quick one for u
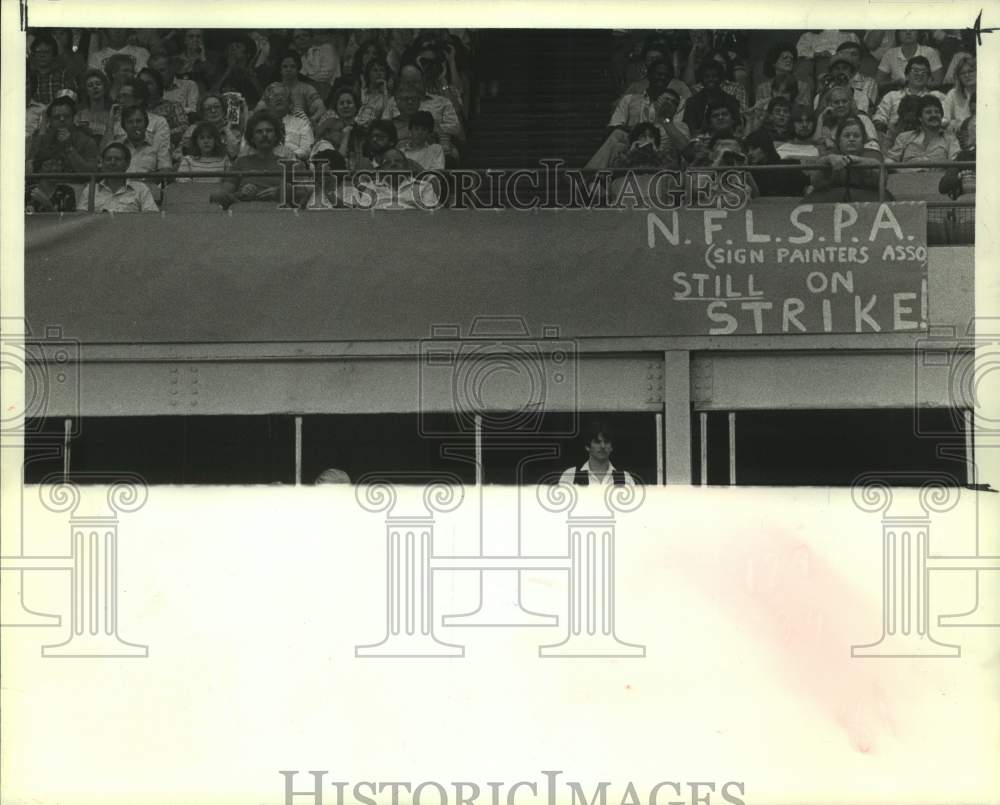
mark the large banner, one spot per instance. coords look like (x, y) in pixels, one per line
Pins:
(345, 275)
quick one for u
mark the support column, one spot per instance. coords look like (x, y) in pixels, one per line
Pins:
(591, 550)
(677, 416)
(906, 627)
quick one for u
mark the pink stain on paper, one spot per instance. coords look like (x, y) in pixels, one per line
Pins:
(802, 610)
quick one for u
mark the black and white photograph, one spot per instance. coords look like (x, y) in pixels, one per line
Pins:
(535, 410)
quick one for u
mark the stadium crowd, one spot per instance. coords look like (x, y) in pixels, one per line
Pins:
(197, 103)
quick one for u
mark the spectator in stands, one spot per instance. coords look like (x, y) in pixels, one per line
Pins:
(180, 90)
(381, 137)
(34, 110)
(730, 84)
(698, 54)
(305, 98)
(61, 138)
(319, 61)
(396, 190)
(298, 139)
(407, 103)
(420, 149)
(441, 76)
(649, 107)
(779, 63)
(133, 93)
(958, 101)
(363, 56)
(117, 45)
(345, 105)
(207, 153)
(171, 111)
(759, 146)
(597, 470)
(265, 133)
(94, 113)
(119, 69)
(782, 86)
(710, 77)
(237, 73)
(446, 120)
(49, 77)
(838, 106)
(663, 70)
(931, 142)
(212, 109)
(73, 63)
(375, 89)
(961, 182)
(777, 124)
(192, 61)
(643, 151)
(144, 157)
(841, 74)
(893, 69)
(49, 195)
(115, 194)
(802, 147)
(853, 166)
(918, 73)
(815, 48)
(864, 86)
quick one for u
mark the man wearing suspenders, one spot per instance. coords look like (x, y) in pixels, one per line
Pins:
(598, 469)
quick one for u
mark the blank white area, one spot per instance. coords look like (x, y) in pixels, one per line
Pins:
(252, 600)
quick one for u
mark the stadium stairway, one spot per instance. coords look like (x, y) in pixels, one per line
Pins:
(555, 98)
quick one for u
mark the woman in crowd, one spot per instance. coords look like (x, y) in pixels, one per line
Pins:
(94, 112)
(931, 141)
(171, 111)
(345, 106)
(892, 67)
(305, 98)
(264, 132)
(837, 106)
(206, 153)
(376, 88)
(192, 61)
(119, 69)
(212, 109)
(783, 87)
(853, 167)
(958, 101)
(364, 55)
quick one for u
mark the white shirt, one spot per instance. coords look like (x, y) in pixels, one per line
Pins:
(139, 55)
(888, 109)
(158, 134)
(411, 195)
(569, 476)
(133, 196)
(185, 92)
(894, 62)
(812, 44)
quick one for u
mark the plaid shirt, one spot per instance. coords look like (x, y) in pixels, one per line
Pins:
(50, 84)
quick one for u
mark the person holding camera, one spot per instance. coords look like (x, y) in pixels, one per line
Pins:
(837, 106)
(63, 139)
(841, 74)
(657, 105)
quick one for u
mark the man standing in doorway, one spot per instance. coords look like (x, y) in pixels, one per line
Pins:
(598, 469)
